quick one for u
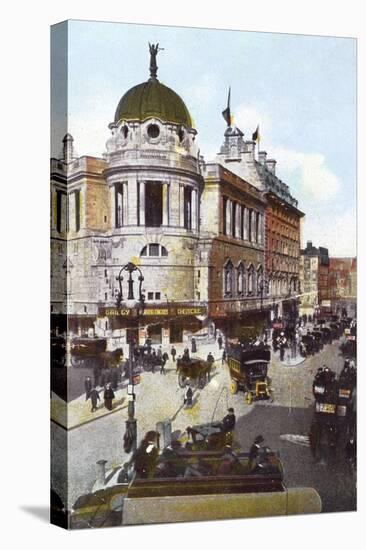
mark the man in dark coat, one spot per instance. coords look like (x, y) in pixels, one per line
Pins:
(220, 341)
(188, 397)
(94, 398)
(193, 345)
(210, 359)
(254, 452)
(228, 422)
(108, 397)
(88, 387)
(164, 359)
(173, 353)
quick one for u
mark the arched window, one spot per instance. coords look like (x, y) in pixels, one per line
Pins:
(228, 278)
(260, 280)
(240, 279)
(251, 280)
(154, 250)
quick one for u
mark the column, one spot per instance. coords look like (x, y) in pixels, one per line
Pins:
(194, 209)
(165, 204)
(238, 221)
(124, 203)
(181, 205)
(142, 203)
(112, 201)
(228, 217)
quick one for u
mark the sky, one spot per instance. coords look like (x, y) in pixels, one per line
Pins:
(300, 89)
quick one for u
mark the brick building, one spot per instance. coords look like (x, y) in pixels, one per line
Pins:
(343, 285)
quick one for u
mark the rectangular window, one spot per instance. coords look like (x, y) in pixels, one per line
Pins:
(77, 210)
(188, 208)
(242, 222)
(58, 211)
(153, 204)
(224, 201)
(250, 226)
(157, 295)
(85, 309)
(233, 220)
(150, 295)
(105, 273)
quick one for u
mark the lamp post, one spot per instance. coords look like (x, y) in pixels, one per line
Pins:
(130, 437)
(263, 287)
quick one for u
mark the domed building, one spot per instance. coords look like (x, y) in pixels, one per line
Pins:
(146, 192)
(199, 233)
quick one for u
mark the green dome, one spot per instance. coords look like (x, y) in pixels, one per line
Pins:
(153, 99)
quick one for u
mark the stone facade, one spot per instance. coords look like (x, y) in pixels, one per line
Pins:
(314, 280)
(197, 231)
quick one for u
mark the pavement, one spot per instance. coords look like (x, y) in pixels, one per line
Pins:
(77, 412)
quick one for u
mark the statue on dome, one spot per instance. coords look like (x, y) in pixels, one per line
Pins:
(154, 49)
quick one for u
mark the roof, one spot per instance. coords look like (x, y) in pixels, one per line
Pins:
(152, 99)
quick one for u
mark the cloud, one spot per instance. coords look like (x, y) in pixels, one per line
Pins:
(338, 233)
(247, 117)
(310, 172)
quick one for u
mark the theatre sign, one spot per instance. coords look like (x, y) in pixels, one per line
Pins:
(166, 311)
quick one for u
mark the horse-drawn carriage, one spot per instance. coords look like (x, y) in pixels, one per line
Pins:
(193, 372)
(248, 367)
(91, 352)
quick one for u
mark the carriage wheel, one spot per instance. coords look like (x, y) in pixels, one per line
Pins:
(182, 380)
(233, 387)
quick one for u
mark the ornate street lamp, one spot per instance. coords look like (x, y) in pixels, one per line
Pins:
(130, 437)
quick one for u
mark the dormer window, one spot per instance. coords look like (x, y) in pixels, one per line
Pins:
(125, 131)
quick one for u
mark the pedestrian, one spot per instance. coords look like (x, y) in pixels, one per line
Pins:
(254, 452)
(223, 357)
(188, 397)
(173, 353)
(210, 359)
(160, 353)
(94, 398)
(88, 387)
(108, 397)
(228, 422)
(220, 341)
(179, 362)
(164, 359)
(193, 345)
(186, 355)
(153, 361)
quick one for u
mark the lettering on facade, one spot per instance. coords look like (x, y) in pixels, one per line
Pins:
(153, 312)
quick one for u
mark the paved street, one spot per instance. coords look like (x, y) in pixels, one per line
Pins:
(159, 397)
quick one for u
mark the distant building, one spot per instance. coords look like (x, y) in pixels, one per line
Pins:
(314, 280)
(343, 285)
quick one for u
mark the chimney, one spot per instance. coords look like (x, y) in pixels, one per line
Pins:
(271, 165)
(101, 472)
(249, 149)
(68, 148)
(262, 155)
